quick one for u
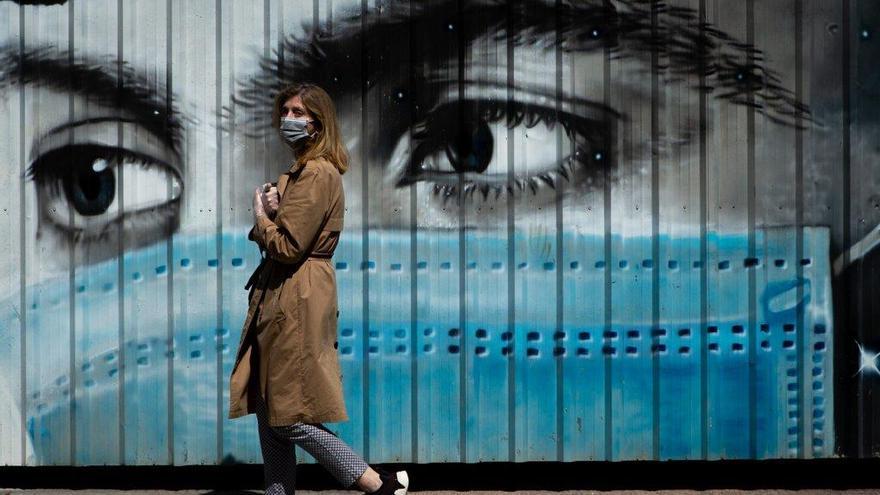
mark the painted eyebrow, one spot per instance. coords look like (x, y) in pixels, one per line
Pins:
(144, 102)
(324, 57)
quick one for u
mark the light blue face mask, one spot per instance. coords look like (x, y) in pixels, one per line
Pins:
(175, 392)
(293, 130)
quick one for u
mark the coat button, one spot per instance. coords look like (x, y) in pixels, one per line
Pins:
(336, 345)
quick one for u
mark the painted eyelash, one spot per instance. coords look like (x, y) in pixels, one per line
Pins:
(517, 114)
(115, 156)
(550, 178)
(131, 221)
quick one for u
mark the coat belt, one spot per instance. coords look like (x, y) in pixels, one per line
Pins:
(316, 255)
(262, 265)
(255, 274)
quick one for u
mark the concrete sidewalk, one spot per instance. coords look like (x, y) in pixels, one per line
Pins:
(343, 492)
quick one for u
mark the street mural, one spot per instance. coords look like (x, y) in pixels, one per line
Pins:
(575, 230)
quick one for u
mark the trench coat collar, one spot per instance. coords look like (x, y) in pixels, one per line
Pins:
(293, 167)
(285, 177)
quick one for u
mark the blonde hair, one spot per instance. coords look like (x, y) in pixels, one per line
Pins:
(327, 143)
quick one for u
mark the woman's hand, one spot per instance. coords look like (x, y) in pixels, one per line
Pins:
(259, 211)
(270, 194)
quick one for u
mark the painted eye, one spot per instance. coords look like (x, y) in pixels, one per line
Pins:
(79, 189)
(455, 149)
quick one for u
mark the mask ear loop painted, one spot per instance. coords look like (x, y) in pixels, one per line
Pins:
(857, 251)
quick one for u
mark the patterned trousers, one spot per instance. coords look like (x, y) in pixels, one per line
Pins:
(279, 457)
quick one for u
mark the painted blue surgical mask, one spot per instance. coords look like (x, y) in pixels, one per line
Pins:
(293, 130)
(182, 321)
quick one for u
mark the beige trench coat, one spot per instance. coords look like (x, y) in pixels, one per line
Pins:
(287, 350)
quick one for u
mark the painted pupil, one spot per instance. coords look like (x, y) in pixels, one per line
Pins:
(88, 191)
(471, 149)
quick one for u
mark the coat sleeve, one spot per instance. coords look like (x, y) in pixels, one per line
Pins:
(252, 237)
(298, 218)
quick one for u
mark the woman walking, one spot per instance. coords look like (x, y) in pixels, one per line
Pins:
(286, 369)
